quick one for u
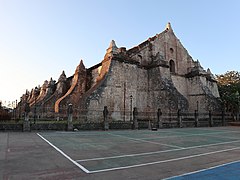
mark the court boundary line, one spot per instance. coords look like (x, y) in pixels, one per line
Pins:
(202, 170)
(187, 135)
(163, 161)
(138, 165)
(66, 156)
(151, 142)
(156, 152)
(184, 134)
(222, 131)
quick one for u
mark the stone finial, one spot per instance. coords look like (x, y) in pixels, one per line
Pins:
(27, 92)
(80, 67)
(62, 77)
(197, 67)
(61, 83)
(51, 82)
(45, 82)
(112, 44)
(168, 27)
(50, 85)
(44, 86)
(111, 50)
(198, 63)
(209, 71)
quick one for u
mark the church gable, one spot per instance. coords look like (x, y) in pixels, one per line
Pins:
(165, 48)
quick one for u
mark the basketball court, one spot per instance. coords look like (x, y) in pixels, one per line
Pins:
(179, 153)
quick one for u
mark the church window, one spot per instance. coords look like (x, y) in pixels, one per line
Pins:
(172, 66)
(171, 50)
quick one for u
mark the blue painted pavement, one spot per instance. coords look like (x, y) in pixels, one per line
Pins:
(227, 171)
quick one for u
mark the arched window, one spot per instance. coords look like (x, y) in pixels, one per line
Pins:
(172, 66)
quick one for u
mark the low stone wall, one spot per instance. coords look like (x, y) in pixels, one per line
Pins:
(56, 126)
(88, 126)
(49, 126)
(143, 124)
(11, 127)
(234, 123)
(120, 125)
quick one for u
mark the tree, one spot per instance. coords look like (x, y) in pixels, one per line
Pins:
(229, 89)
(229, 78)
(5, 112)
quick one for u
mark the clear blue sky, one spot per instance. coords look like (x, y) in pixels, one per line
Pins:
(40, 38)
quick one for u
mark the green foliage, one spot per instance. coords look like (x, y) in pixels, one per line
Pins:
(229, 89)
(229, 78)
(5, 113)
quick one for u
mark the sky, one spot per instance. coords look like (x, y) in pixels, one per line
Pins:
(41, 38)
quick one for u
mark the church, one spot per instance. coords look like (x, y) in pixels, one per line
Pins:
(158, 73)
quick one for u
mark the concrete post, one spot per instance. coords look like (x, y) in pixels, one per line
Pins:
(70, 123)
(105, 118)
(26, 123)
(26, 117)
(223, 118)
(179, 118)
(159, 118)
(196, 118)
(135, 117)
(149, 125)
(210, 119)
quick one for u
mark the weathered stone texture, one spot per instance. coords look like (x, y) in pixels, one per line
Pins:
(78, 87)
(158, 73)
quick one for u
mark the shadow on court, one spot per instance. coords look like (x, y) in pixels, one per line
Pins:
(128, 154)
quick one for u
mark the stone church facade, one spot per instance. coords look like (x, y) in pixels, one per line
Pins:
(158, 73)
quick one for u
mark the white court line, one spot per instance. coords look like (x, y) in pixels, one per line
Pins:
(221, 136)
(206, 169)
(156, 152)
(186, 135)
(66, 156)
(221, 130)
(164, 161)
(146, 132)
(135, 139)
(208, 130)
(76, 133)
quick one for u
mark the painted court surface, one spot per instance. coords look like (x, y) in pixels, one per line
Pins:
(187, 153)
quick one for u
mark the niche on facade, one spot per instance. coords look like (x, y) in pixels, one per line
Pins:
(172, 66)
(140, 57)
